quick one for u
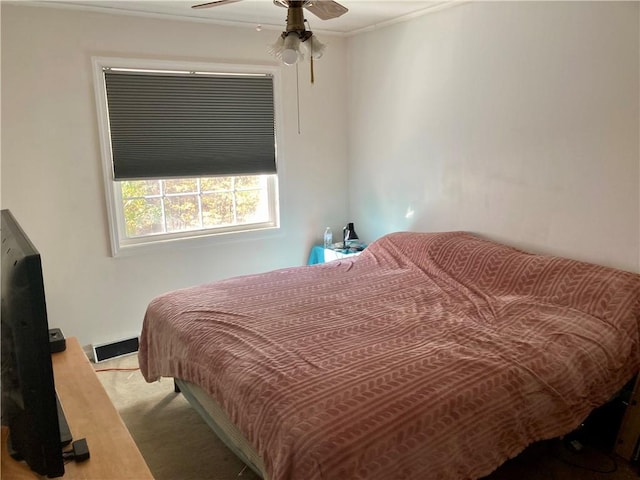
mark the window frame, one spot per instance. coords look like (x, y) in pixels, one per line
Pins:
(123, 245)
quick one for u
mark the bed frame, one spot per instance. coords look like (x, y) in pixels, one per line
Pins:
(222, 426)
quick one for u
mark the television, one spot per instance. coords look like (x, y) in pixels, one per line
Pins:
(29, 403)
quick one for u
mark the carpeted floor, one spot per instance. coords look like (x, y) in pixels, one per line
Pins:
(178, 445)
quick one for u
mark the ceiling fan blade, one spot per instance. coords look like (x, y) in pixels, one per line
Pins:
(214, 4)
(281, 3)
(326, 9)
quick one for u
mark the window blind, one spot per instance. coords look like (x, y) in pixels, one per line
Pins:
(190, 125)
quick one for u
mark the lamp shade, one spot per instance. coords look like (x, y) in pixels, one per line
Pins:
(315, 47)
(277, 48)
(290, 52)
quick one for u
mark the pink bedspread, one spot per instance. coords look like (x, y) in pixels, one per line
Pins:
(429, 356)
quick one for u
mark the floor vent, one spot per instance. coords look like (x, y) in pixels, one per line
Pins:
(107, 351)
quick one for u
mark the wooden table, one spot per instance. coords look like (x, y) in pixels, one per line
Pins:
(91, 415)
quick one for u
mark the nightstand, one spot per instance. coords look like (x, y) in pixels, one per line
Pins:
(319, 254)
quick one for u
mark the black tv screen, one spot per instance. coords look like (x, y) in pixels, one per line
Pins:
(29, 405)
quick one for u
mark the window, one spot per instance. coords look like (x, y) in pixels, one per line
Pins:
(189, 151)
(152, 207)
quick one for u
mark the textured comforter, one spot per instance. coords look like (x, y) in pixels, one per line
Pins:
(429, 356)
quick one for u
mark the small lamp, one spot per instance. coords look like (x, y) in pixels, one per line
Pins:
(348, 235)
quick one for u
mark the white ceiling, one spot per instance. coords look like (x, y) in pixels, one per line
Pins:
(363, 14)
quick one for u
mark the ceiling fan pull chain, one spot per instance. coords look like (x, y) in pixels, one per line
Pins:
(310, 40)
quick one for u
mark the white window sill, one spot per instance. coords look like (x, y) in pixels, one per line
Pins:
(196, 241)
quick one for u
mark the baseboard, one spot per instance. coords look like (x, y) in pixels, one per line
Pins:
(107, 351)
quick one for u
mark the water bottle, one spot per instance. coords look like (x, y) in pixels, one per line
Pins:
(328, 238)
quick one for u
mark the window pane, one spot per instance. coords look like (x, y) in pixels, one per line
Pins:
(217, 209)
(182, 213)
(249, 206)
(171, 206)
(181, 185)
(248, 182)
(140, 188)
(143, 216)
(214, 184)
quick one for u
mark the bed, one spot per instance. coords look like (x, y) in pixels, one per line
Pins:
(430, 355)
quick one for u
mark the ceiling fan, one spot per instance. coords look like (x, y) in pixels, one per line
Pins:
(323, 9)
(296, 36)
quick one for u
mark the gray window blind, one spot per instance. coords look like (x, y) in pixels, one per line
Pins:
(190, 125)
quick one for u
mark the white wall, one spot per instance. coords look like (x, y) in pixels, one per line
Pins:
(52, 174)
(515, 120)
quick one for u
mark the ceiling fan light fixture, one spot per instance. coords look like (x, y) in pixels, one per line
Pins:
(315, 47)
(291, 49)
(277, 48)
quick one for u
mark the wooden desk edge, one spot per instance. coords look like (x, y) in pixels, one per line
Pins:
(90, 415)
